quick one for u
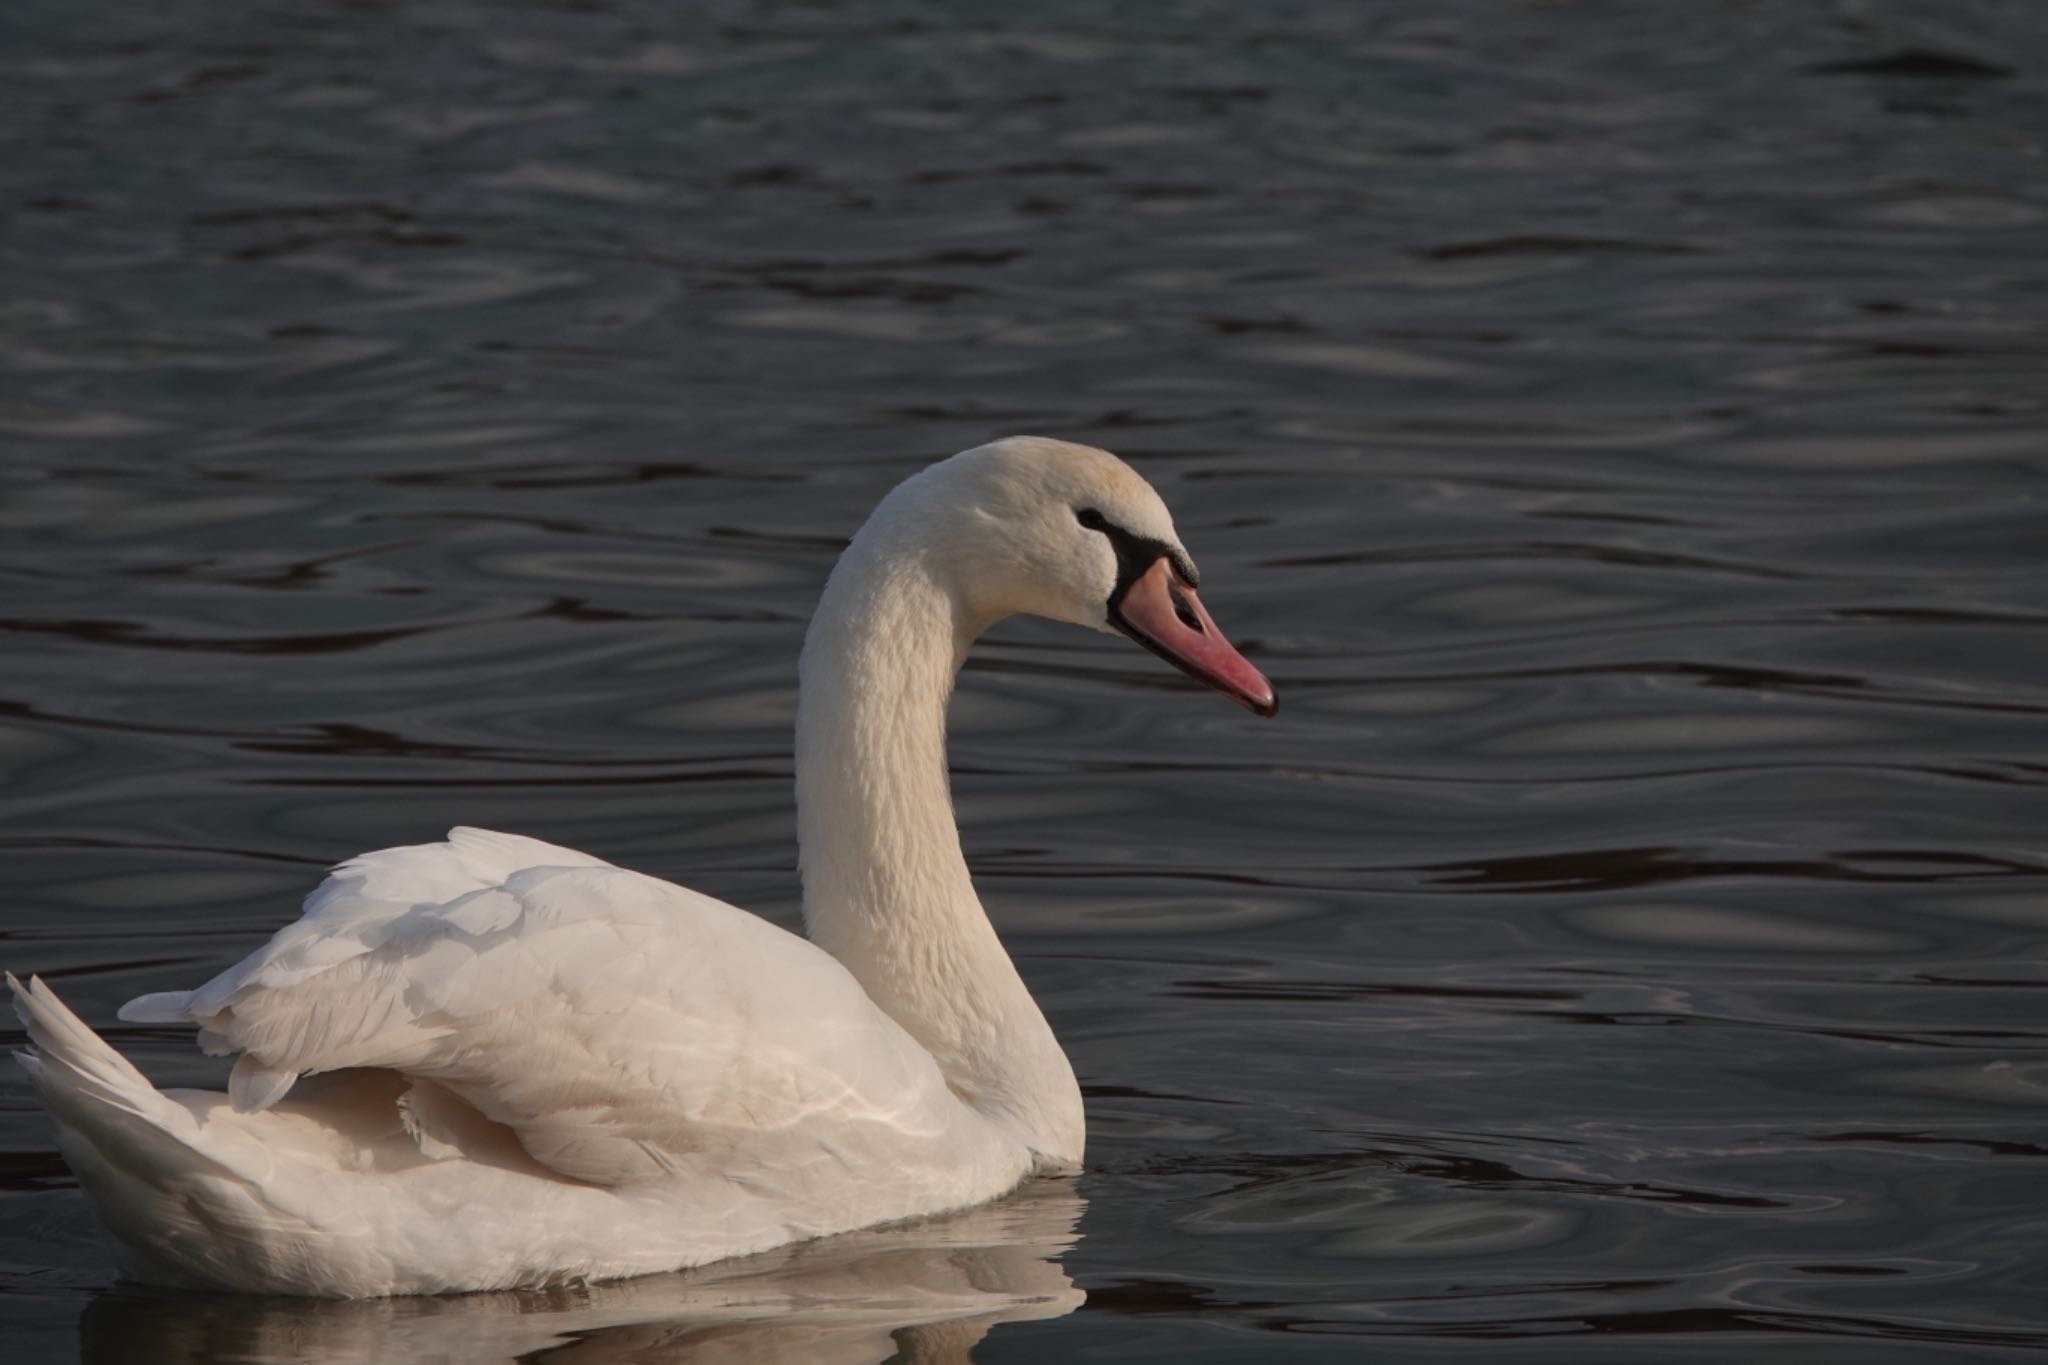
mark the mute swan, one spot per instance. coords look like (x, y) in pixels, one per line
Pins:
(491, 1063)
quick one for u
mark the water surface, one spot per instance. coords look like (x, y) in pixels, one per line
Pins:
(1617, 430)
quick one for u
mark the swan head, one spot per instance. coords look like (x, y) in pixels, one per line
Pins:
(1048, 528)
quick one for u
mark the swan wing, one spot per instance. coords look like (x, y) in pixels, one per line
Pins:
(625, 1028)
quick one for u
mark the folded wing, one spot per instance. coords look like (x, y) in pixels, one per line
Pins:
(626, 1029)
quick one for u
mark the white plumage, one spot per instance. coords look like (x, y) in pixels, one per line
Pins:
(494, 1062)
(628, 1031)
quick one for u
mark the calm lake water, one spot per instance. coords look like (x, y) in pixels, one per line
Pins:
(1617, 429)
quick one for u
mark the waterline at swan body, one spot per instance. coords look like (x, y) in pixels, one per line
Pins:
(492, 1062)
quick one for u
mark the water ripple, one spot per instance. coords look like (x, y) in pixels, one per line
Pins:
(1619, 437)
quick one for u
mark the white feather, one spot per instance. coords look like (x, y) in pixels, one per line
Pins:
(491, 1062)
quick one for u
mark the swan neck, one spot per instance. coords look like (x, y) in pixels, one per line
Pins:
(886, 887)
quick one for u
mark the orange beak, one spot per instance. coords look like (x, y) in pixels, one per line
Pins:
(1163, 614)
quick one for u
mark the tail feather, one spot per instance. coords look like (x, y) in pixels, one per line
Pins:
(167, 1192)
(95, 1092)
(73, 1062)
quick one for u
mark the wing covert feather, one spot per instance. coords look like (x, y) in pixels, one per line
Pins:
(623, 1026)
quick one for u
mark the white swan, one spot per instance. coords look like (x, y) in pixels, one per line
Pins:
(492, 1062)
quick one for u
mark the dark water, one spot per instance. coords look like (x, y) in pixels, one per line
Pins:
(1618, 429)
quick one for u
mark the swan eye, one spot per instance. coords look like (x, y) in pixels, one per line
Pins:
(1135, 554)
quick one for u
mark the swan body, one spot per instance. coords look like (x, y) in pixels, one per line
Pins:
(492, 1062)
(925, 1292)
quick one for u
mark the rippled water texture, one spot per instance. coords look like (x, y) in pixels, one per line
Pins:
(1616, 428)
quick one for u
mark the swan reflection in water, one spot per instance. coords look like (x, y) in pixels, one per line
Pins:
(923, 1292)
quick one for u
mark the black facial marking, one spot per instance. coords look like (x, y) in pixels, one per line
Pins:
(1136, 553)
